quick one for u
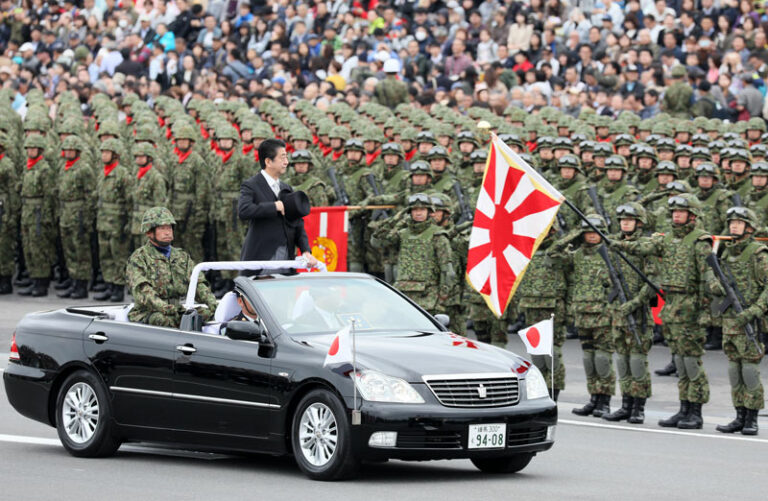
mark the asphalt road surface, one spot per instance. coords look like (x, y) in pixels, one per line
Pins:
(591, 459)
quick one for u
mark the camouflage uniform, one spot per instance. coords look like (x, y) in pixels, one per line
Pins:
(745, 262)
(149, 190)
(616, 193)
(76, 185)
(453, 305)
(390, 92)
(715, 201)
(159, 283)
(574, 189)
(9, 214)
(758, 197)
(112, 216)
(320, 194)
(679, 96)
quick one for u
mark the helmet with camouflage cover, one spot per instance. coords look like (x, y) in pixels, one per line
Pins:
(392, 149)
(758, 150)
(301, 156)
(34, 141)
(69, 126)
(374, 134)
(409, 134)
(478, 156)
(353, 144)
(616, 162)
(420, 201)
(33, 122)
(756, 123)
(740, 154)
(666, 167)
(661, 129)
(700, 140)
(112, 145)
(426, 136)
(544, 142)
(602, 150)
(262, 131)
(742, 214)
(716, 146)
(562, 143)
(226, 131)
(683, 150)
(145, 133)
(596, 220)
(440, 201)
(467, 136)
(184, 132)
(109, 128)
(666, 144)
(632, 210)
(685, 201)
(437, 152)
(72, 143)
(759, 169)
(421, 167)
(623, 140)
(570, 160)
(338, 132)
(587, 145)
(707, 169)
(144, 149)
(154, 217)
(701, 152)
(512, 140)
(302, 134)
(677, 187)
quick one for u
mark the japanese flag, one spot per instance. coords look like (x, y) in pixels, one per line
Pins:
(538, 337)
(339, 356)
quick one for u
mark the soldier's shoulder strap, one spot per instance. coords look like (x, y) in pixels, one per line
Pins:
(751, 249)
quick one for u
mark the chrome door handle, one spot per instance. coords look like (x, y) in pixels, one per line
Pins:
(99, 337)
(186, 349)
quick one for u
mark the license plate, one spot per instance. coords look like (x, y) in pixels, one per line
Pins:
(487, 436)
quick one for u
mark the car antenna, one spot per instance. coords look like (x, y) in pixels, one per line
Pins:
(357, 416)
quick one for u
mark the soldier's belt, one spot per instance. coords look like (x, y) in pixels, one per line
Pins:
(111, 205)
(67, 204)
(229, 194)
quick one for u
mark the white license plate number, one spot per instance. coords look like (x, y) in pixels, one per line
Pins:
(487, 436)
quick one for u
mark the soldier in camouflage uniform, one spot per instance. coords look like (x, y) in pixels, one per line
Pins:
(158, 275)
(390, 92)
(9, 213)
(758, 197)
(740, 183)
(439, 162)
(644, 179)
(189, 193)
(355, 178)
(113, 213)
(38, 216)
(571, 184)
(679, 96)
(745, 262)
(425, 270)
(149, 189)
(541, 295)
(632, 347)
(715, 198)
(615, 189)
(76, 185)
(587, 306)
(453, 305)
(394, 172)
(320, 194)
(666, 172)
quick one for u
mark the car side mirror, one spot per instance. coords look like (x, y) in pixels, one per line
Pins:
(242, 330)
(444, 319)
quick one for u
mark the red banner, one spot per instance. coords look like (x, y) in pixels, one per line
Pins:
(326, 229)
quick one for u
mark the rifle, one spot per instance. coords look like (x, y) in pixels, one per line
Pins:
(562, 224)
(464, 208)
(737, 202)
(378, 214)
(619, 289)
(733, 298)
(341, 194)
(592, 191)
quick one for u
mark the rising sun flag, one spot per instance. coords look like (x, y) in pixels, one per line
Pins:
(514, 212)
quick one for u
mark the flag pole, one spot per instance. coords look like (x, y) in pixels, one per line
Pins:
(618, 252)
(552, 356)
(357, 417)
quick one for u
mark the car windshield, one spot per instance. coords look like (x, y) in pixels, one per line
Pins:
(322, 305)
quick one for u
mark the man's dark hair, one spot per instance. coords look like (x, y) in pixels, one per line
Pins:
(269, 149)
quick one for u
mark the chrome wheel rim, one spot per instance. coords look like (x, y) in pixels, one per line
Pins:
(318, 434)
(80, 413)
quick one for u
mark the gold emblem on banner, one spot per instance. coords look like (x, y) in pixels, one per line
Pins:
(324, 249)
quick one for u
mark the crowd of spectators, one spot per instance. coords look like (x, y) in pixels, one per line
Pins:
(604, 54)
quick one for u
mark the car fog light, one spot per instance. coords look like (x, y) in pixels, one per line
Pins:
(551, 433)
(383, 439)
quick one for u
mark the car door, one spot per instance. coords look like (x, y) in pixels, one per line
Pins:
(222, 386)
(136, 362)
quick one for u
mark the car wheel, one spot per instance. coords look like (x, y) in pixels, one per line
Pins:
(83, 417)
(507, 464)
(320, 437)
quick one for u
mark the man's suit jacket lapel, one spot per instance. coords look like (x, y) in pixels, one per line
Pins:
(264, 187)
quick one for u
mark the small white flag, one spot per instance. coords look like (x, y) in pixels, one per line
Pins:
(538, 337)
(339, 356)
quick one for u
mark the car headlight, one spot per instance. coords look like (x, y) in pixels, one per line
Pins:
(535, 385)
(377, 387)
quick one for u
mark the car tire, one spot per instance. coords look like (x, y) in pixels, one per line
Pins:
(506, 464)
(328, 456)
(84, 417)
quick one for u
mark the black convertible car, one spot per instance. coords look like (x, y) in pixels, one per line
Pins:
(420, 392)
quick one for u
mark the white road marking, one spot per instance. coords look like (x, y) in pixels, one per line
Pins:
(21, 439)
(665, 432)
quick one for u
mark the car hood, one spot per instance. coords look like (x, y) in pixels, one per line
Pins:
(411, 354)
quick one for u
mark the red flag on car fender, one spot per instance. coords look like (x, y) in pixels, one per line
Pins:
(514, 212)
(327, 229)
(339, 356)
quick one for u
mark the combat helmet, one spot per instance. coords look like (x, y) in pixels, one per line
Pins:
(441, 201)
(154, 217)
(392, 149)
(72, 143)
(685, 201)
(301, 156)
(420, 200)
(34, 141)
(742, 214)
(632, 210)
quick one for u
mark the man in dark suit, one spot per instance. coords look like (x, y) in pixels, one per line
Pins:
(273, 233)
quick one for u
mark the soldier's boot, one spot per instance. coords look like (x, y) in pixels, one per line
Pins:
(715, 341)
(105, 294)
(603, 406)
(41, 288)
(638, 412)
(735, 425)
(27, 291)
(750, 422)
(670, 369)
(671, 421)
(622, 412)
(99, 285)
(64, 284)
(80, 290)
(22, 279)
(587, 409)
(554, 394)
(118, 293)
(693, 421)
(68, 292)
(658, 337)
(571, 332)
(6, 286)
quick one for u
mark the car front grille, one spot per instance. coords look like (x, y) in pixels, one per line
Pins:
(525, 436)
(475, 390)
(428, 440)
